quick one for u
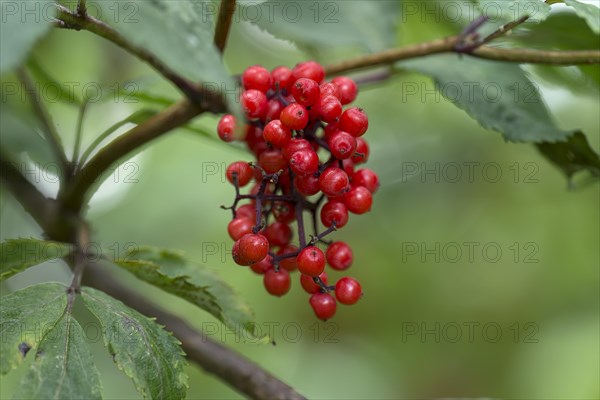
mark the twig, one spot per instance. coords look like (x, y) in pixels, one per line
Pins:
(226, 11)
(240, 373)
(79, 132)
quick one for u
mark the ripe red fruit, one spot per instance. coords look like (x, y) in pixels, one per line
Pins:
(309, 69)
(277, 283)
(330, 89)
(277, 134)
(288, 263)
(246, 211)
(254, 103)
(304, 162)
(342, 145)
(347, 88)
(294, 116)
(274, 108)
(262, 266)
(241, 170)
(309, 285)
(334, 212)
(358, 200)
(329, 109)
(348, 166)
(238, 227)
(281, 78)
(324, 305)
(339, 256)
(307, 185)
(306, 92)
(311, 261)
(278, 234)
(362, 151)
(295, 145)
(271, 161)
(367, 178)
(284, 211)
(238, 256)
(253, 248)
(354, 121)
(348, 291)
(226, 127)
(256, 77)
(254, 140)
(333, 181)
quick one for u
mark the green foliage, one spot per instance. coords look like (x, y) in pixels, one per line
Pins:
(63, 367)
(19, 31)
(572, 155)
(20, 137)
(498, 95)
(509, 10)
(16, 255)
(195, 283)
(178, 33)
(328, 24)
(589, 12)
(144, 351)
(26, 316)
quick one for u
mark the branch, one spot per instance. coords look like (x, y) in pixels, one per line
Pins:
(226, 11)
(240, 373)
(74, 196)
(449, 45)
(70, 20)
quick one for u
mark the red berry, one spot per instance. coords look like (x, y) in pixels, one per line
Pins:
(304, 162)
(333, 181)
(254, 140)
(238, 256)
(274, 108)
(347, 87)
(330, 89)
(226, 128)
(277, 283)
(334, 212)
(241, 170)
(309, 69)
(278, 234)
(342, 145)
(358, 200)
(295, 145)
(277, 134)
(330, 129)
(253, 247)
(282, 78)
(348, 165)
(262, 266)
(339, 256)
(294, 116)
(256, 77)
(284, 211)
(367, 178)
(238, 227)
(246, 211)
(309, 285)
(306, 92)
(311, 261)
(354, 121)
(362, 151)
(324, 305)
(348, 291)
(255, 104)
(307, 185)
(288, 263)
(271, 161)
(329, 109)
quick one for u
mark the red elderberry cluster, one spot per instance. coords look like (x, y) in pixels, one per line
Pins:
(308, 149)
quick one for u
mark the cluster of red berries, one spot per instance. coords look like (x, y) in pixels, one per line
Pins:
(307, 147)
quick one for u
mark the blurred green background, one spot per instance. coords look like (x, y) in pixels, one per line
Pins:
(522, 323)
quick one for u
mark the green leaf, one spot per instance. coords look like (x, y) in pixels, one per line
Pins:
(498, 95)
(64, 94)
(141, 348)
(23, 24)
(509, 10)
(329, 24)
(17, 255)
(25, 317)
(171, 272)
(589, 12)
(572, 155)
(63, 367)
(19, 137)
(178, 33)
